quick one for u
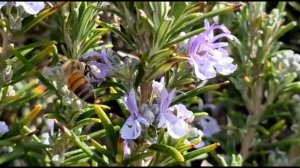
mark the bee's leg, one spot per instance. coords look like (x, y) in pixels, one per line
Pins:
(88, 71)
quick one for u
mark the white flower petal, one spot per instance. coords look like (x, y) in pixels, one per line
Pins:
(178, 129)
(158, 86)
(226, 69)
(183, 113)
(203, 68)
(2, 4)
(45, 138)
(31, 7)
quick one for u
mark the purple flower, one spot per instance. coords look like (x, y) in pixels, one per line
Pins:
(100, 65)
(3, 127)
(177, 125)
(208, 56)
(183, 113)
(50, 124)
(132, 128)
(209, 126)
(158, 86)
(200, 145)
(126, 148)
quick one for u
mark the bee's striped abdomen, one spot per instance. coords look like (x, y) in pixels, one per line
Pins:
(79, 85)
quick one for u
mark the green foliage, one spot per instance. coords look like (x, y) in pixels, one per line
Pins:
(260, 101)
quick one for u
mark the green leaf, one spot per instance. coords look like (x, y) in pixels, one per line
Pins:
(281, 143)
(263, 130)
(27, 87)
(291, 87)
(21, 100)
(206, 16)
(179, 142)
(30, 64)
(75, 158)
(102, 150)
(222, 160)
(90, 43)
(74, 152)
(181, 82)
(183, 24)
(86, 148)
(112, 135)
(84, 20)
(36, 155)
(160, 36)
(200, 151)
(200, 114)
(29, 67)
(34, 146)
(123, 36)
(108, 10)
(281, 6)
(177, 10)
(16, 153)
(109, 97)
(82, 145)
(163, 68)
(102, 133)
(138, 157)
(197, 91)
(295, 5)
(182, 38)
(277, 126)
(168, 150)
(160, 55)
(185, 147)
(39, 18)
(282, 30)
(86, 121)
(25, 49)
(6, 143)
(146, 20)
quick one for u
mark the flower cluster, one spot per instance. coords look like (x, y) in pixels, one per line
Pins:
(286, 61)
(177, 125)
(207, 55)
(175, 118)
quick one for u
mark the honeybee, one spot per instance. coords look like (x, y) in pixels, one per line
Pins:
(75, 77)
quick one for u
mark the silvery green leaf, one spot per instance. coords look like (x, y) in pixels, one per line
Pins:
(278, 158)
